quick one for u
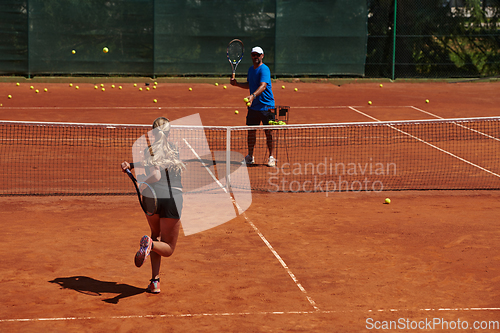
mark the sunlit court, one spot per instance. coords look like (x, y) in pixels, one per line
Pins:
(326, 256)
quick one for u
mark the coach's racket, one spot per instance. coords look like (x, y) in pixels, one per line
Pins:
(235, 54)
(146, 194)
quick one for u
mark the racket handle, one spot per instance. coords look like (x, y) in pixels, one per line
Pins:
(129, 174)
(234, 74)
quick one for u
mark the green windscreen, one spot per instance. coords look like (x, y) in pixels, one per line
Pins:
(180, 37)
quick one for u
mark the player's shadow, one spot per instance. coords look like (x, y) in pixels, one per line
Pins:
(93, 287)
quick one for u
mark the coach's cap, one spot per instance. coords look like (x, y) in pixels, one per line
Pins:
(258, 50)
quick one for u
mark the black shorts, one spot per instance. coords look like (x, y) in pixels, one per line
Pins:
(255, 118)
(169, 207)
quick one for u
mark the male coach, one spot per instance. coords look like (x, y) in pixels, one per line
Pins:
(262, 101)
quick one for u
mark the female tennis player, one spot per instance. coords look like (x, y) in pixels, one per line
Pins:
(163, 170)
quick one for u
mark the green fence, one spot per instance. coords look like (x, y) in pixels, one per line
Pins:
(372, 38)
(180, 37)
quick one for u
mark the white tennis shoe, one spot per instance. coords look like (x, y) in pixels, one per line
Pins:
(271, 162)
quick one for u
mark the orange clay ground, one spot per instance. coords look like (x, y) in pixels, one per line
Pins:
(306, 262)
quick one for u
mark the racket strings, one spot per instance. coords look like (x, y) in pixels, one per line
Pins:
(235, 51)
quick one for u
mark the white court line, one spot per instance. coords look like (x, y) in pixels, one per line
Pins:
(430, 144)
(239, 314)
(460, 125)
(269, 246)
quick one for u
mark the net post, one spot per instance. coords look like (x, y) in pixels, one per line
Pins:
(228, 159)
(394, 40)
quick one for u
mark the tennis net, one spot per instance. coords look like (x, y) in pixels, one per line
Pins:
(39, 158)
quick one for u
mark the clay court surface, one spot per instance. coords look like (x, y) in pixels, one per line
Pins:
(300, 262)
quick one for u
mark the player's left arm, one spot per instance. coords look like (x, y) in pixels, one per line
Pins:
(260, 90)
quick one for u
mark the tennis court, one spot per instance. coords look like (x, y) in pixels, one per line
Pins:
(313, 262)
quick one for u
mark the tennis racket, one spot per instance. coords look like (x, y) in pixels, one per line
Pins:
(235, 54)
(146, 194)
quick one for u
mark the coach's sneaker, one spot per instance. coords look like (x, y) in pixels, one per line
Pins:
(249, 159)
(143, 253)
(271, 162)
(154, 286)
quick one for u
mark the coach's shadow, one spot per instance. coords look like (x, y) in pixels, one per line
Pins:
(93, 287)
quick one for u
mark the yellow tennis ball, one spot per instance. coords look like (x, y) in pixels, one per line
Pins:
(112, 86)
(381, 85)
(31, 87)
(216, 84)
(37, 91)
(105, 50)
(156, 83)
(236, 112)
(154, 100)
(71, 84)
(370, 102)
(248, 104)
(102, 85)
(103, 89)
(45, 90)
(282, 87)
(10, 96)
(17, 84)
(140, 89)
(135, 84)
(73, 51)
(95, 87)
(296, 89)
(387, 200)
(77, 87)
(426, 101)
(154, 87)
(147, 88)
(225, 87)
(190, 89)
(245, 99)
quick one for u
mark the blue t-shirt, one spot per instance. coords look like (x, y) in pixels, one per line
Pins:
(265, 100)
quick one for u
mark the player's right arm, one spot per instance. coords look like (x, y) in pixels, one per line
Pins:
(235, 83)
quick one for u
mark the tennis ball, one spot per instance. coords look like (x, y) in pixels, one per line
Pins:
(190, 89)
(135, 84)
(45, 89)
(147, 88)
(381, 85)
(102, 85)
(71, 84)
(296, 89)
(95, 87)
(73, 51)
(225, 87)
(31, 87)
(154, 87)
(426, 101)
(370, 102)
(37, 91)
(271, 122)
(112, 86)
(216, 84)
(140, 89)
(17, 84)
(120, 87)
(105, 50)
(154, 100)
(103, 89)
(387, 200)
(155, 83)
(245, 99)
(248, 104)
(77, 87)
(282, 87)
(236, 112)
(10, 96)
